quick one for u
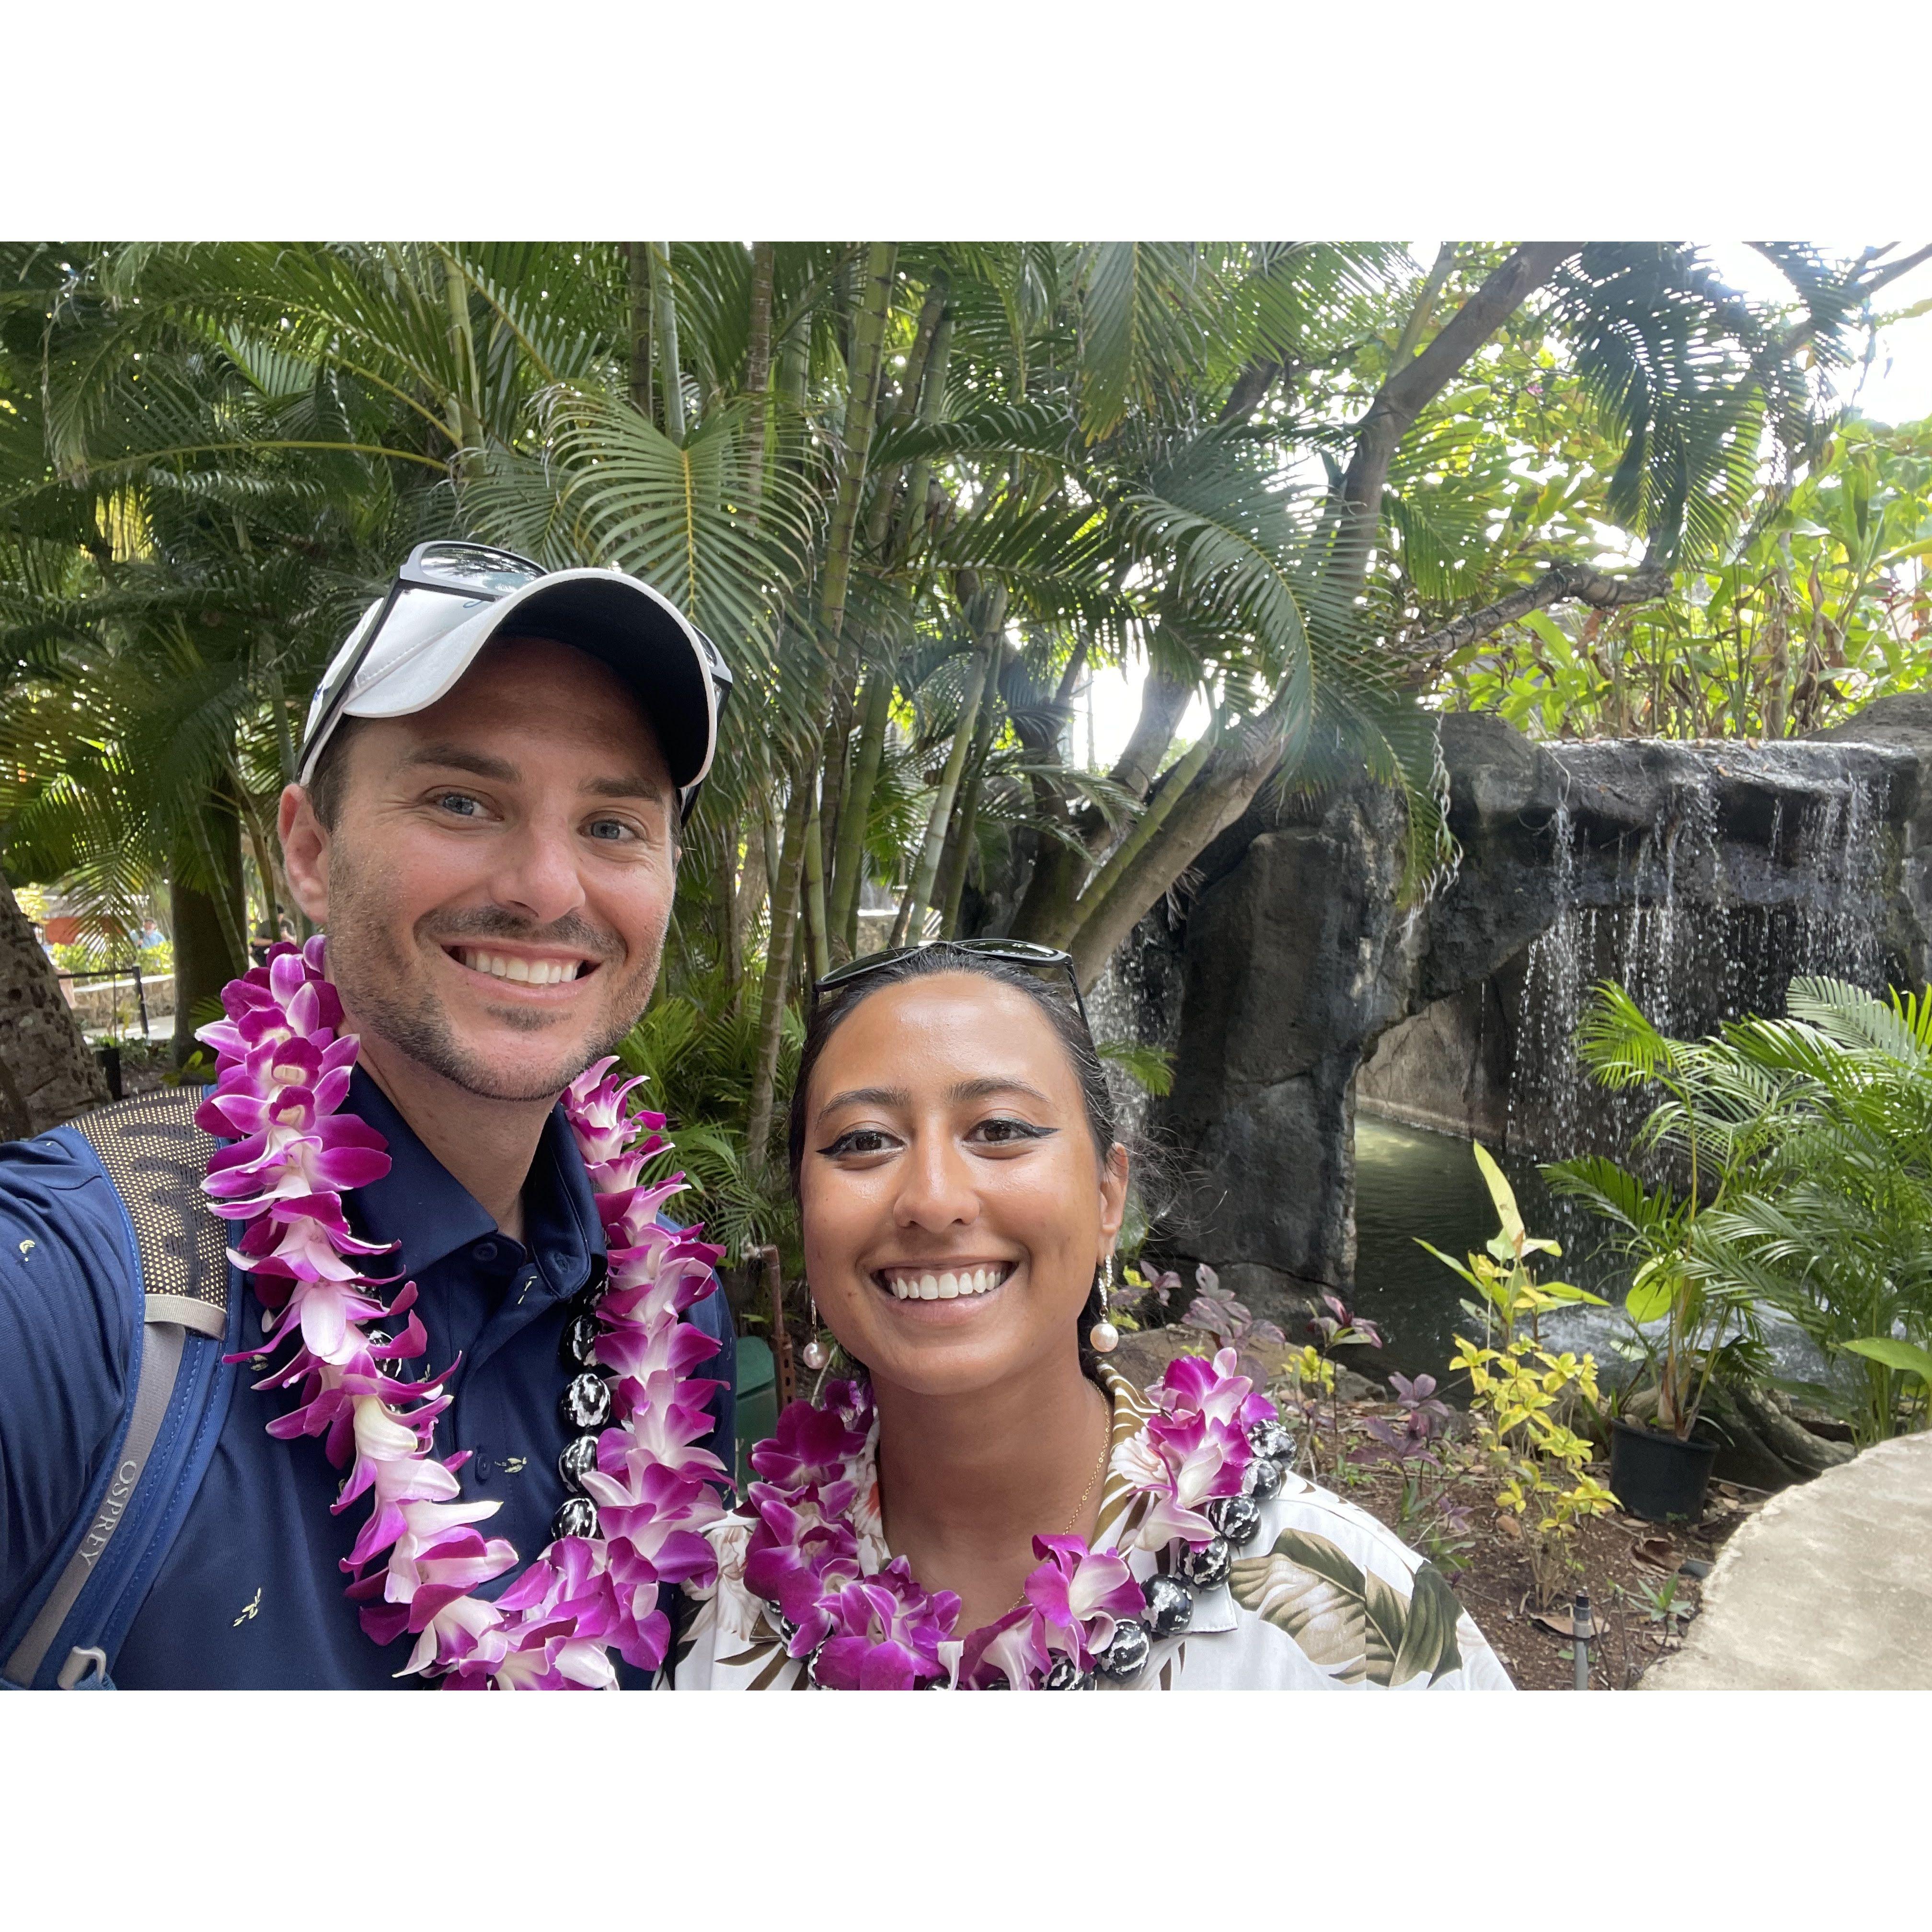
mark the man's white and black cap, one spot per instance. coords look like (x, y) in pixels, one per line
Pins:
(430, 638)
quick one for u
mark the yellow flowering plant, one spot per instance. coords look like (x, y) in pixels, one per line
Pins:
(1520, 1395)
(1523, 1395)
(1304, 1380)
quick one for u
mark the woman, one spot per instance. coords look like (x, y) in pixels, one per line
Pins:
(990, 1506)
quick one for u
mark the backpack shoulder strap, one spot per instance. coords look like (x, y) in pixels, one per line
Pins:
(155, 1156)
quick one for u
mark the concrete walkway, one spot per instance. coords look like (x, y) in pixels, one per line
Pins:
(1828, 1588)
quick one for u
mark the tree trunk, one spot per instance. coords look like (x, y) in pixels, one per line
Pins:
(787, 886)
(1408, 390)
(821, 954)
(758, 365)
(664, 329)
(724, 903)
(1234, 771)
(208, 929)
(1046, 913)
(751, 893)
(927, 871)
(920, 397)
(861, 417)
(1425, 306)
(1164, 702)
(469, 384)
(931, 402)
(849, 862)
(638, 255)
(1093, 902)
(867, 347)
(48, 1073)
(1242, 761)
(963, 839)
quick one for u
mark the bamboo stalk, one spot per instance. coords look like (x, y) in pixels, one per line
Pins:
(468, 415)
(758, 368)
(815, 895)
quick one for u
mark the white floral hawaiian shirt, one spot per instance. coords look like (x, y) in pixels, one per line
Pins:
(1323, 1598)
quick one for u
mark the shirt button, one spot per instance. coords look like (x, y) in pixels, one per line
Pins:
(479, 1467)
(484, 1251)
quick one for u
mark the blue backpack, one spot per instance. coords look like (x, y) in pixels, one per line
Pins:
(187, 1316)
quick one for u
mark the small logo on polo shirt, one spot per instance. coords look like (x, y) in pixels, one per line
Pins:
(248, 1610)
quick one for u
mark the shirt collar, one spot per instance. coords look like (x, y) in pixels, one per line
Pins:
(422, 1206)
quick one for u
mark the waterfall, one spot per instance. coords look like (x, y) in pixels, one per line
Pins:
(1758, 863)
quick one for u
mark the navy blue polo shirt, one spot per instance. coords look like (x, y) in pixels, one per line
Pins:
(251, 1594)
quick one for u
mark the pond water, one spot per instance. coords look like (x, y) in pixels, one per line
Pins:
(1410, 1182)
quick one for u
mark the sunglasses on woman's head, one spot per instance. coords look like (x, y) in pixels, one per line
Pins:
(1008, 951)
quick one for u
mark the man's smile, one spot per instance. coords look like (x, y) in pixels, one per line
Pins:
(530, 970)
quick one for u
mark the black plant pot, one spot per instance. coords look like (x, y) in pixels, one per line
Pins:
(1658, 1476)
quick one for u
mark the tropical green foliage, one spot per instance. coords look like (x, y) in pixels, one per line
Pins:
(1717, 1120)
(918, 493)
(697, 1048)
(1791, 1167)
(1822, 608)
(1836, 1229)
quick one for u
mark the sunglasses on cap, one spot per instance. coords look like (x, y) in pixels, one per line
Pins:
(442, 586)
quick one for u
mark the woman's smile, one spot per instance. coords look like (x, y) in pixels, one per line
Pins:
(952, 1279)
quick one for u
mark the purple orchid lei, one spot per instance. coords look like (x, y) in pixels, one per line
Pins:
(882, 1631)
(282, 1076)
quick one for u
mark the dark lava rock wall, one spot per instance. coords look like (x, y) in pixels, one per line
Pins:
(1702, 877)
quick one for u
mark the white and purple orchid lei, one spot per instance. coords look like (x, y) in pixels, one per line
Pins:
(882, 1631)
(282, 1076)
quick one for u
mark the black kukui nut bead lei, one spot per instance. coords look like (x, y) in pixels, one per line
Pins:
(1270, 1438)
(1125, 1655)
(578, 1459)
(1170, 1605)
(1206, 1568)
(576, 1516)
(1237, 1518)
(586, 1402)
(1066, 1674)
(581, 1335)
(1262, 1478)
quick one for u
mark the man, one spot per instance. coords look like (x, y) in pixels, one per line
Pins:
(486, 826)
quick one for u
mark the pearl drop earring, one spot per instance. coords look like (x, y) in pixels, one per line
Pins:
(813, 1354)
(1103, 1336)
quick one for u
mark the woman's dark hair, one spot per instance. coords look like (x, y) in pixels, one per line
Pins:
(1054, 996)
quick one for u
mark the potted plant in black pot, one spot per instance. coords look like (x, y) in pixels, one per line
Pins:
(1702, 1137)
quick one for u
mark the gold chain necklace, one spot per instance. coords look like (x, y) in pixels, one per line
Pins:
(1106, 1443)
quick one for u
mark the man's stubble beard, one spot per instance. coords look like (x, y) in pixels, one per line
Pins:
(374, 977)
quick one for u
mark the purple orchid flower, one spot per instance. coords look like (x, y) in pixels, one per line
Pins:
(1010, 1652)
(1082, 1594)
(888, 1632)
(811, 1444)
